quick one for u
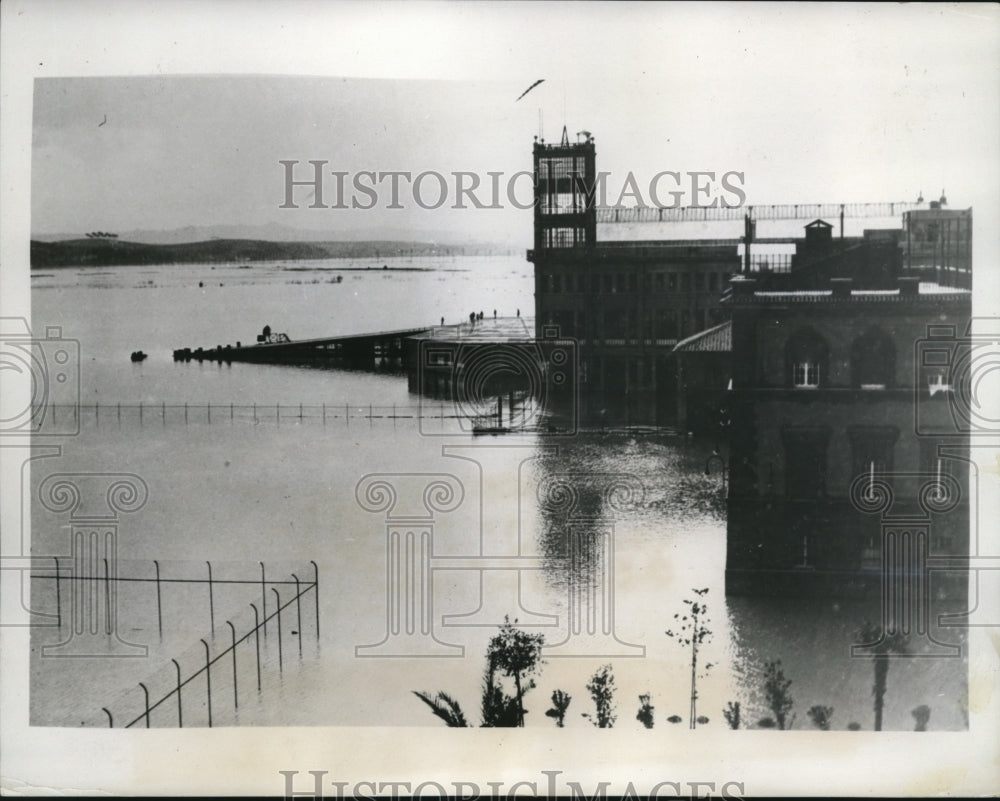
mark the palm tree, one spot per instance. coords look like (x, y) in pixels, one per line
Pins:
(883, 645)
(445, 707)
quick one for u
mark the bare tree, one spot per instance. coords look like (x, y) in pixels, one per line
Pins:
(692, 632)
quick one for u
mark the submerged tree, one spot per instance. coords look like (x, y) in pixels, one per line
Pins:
(921, 715)
(779, 700)
(732, 714)
(883, 646)
(693, 631)
(498, 709)
(560, 703)
(512, 653)
(517, 655)
(445, 707)
(602, 689)
(820, 716)
(645, 713)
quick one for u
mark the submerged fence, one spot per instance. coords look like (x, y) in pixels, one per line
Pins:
(93, 621)
(428, 412)
(100, 414)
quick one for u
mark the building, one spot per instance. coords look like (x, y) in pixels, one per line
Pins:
(626, 303)
(630, 304)
(937, 244)
(834, 405)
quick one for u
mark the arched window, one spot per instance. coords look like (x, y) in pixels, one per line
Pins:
(873, 360)
(807, 359)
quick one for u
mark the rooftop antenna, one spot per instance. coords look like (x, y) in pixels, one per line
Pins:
(565, 138)
(541, 132)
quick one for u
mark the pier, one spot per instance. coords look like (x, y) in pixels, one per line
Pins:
(367, 351)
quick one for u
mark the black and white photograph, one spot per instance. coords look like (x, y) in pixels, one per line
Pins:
(371, 371)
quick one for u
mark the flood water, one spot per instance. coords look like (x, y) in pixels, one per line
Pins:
(593, 540)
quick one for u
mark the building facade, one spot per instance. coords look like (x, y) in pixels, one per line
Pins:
(834, 406)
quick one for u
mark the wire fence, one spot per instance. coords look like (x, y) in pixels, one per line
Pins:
(274, 600)
(142, 414)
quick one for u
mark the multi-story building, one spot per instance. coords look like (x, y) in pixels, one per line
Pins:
(845, 414)
(626, 303)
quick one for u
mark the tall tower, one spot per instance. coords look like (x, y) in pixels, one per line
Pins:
(565, 206)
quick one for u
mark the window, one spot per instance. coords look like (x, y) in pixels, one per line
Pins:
(873, 359)
(805, 374)
(805, 462)
(713, 282)
(685, 282)
(806, 360)
(659, 282)
(699, 281)
(672, 282)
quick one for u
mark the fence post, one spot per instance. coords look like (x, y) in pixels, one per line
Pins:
(140, 413)
(298, 611)
(159, 605)
(277, 413)
(208, 677)
(185, 414)
(256, 638)
(281, 664)
(236, 697)
(145, 692)
(316, 590)
(263, 598)
(109, 624)
(58, 596)
(210, 412)
(324, 414)
(163, 411)
(211, 598)
(180, 712)
(347, 414)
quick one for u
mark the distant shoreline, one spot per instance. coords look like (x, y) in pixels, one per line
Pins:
(116, 253)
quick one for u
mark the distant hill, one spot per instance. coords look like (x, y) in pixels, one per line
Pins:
(113, 252)
(278, 232)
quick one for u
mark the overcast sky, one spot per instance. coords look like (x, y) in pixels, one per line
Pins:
(825, 103)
